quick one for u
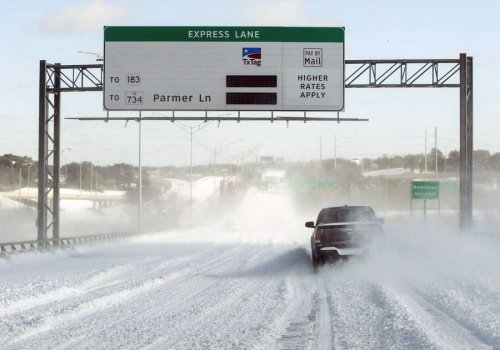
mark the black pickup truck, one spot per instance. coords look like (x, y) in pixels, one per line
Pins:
(342, 231)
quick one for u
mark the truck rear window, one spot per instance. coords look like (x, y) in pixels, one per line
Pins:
(330, 216)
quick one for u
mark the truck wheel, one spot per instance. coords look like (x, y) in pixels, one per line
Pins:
(316, 261)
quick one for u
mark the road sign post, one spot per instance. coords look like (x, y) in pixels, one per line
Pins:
(424, 190)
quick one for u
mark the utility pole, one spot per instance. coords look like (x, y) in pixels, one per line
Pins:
(215, 168)
(29, 170)
(191, 173)
(19, 199)
(139, 209)
(335, 152)
(321, 148)
(425, 152)
(436, 152)
(80, 178)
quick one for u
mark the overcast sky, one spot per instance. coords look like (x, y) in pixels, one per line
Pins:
(399, 118)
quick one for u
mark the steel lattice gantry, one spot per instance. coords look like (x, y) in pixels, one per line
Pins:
(400, 73)
(54, 80)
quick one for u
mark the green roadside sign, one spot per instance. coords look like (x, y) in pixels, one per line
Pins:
(424, 190)
(327, 184)
(316, 185)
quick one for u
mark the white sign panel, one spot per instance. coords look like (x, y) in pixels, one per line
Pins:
(224, 68)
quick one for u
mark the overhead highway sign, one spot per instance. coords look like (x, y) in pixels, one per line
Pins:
(224, 68)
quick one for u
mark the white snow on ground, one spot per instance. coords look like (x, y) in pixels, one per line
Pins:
(32, 191)
(6, 203)
(418, 287)
(202, 188)
(80, 216)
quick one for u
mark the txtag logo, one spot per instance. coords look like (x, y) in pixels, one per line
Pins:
(251, 56)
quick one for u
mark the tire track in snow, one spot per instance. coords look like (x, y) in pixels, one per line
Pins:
(446, 332)
(265, 300)
(365, 316)
(59, 294)
(305, 322)
(202, 318)
(473, 303)
(302, 333)
(89, 307)
(99, 302)
(477, 326)
(208, 309)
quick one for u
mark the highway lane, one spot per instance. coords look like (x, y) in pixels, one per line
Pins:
(253, 288)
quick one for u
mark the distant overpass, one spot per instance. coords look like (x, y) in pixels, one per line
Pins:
(29, 196)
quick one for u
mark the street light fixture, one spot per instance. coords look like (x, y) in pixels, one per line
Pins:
(12, 162)
(99, 58)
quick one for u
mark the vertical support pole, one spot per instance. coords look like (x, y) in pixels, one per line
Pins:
(439, 204)
(425, 152)
(191, 174)
(321, 149)
(80, 168)
(466, 146)
(215, 169)
(42, 152)
(469, 143)
(139, 210)
(20, 185)
(335, 153)
(386, 193)
(57, 154)
(435, 154)
(463, 139)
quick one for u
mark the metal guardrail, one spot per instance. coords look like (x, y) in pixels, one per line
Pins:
(23, 246)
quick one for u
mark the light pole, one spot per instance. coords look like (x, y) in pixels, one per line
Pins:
(12, 162)
(19, 196)
(436, 153)
(29, 170)
(216, 150)
(425, 152)
(95, 187)
(80, 166)
(239, 158)
(335, 152)
(91, 167)
(192, 130)
(435, 150)
(66, 167)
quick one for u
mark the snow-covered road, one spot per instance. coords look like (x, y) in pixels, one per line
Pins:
(253, 288)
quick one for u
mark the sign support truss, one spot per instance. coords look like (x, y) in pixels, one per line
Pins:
(422, 73)
(402, 73)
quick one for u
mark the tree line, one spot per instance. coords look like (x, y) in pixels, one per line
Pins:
(22, 171)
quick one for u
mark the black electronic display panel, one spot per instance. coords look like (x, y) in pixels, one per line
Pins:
(251, 98)
(251, 81)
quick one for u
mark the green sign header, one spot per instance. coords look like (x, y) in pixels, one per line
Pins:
(257, 34)
(425, 190)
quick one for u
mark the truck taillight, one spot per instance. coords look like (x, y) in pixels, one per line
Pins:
(317, 235)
